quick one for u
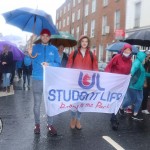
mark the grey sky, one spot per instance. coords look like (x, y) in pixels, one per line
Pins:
(49, 6)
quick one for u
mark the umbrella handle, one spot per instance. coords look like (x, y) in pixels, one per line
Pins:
(33, 56)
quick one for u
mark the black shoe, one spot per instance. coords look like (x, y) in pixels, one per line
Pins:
(121, 112)
(137, 117)
(114, 124)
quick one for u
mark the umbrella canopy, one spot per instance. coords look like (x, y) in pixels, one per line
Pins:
(11, 38)
(117, 47)
(31, 20)
(64, 38)
(139, 38)
(17, 54)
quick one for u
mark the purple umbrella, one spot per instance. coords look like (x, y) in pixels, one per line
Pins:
(17, 54)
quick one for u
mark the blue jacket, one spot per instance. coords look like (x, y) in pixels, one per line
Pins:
(138, 72)
(46, 53)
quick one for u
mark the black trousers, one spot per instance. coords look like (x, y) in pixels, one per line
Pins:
(145, 98)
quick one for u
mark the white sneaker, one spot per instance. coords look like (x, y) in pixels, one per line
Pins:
(145, 112)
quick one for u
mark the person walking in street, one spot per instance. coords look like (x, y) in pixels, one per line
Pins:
(120, 64)
(43, 55)
(27, 70)
(135, 90)
(82, 58)
(6, 64)
(146, 88)
(19, 68)
(63, 55)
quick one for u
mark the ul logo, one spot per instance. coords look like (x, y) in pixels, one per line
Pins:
(87, 82)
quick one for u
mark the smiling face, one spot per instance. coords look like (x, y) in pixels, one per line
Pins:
(45, 38)
(84, 43)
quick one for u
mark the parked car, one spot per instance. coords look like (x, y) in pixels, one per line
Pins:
(102, 66)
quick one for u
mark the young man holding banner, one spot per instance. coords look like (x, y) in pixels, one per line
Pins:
(82, 58)
(43, 55)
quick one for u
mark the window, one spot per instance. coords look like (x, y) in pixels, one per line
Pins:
(60, 13)
(60, 25)
(137, 14)
(57, 16)
(73, 17)
(77, 33)
(86, 9)
(78, 15)
(74, 3)
(105, 3)
(108, 56)
(93, 6)
(85, 28)
(64, 22)
(57, 25)
(92, 28)
(101, 51)
(104, 24)
(68, 6)
(67, 20)
(117, 20)
(64, 9)
(72, 31)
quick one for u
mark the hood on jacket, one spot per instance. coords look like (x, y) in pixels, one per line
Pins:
(141, 56)
(123, 49)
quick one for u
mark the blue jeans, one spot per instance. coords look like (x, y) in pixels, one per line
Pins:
(76, 115)
(25, 75)
(6, 79)
(37, 86)
(135, 97)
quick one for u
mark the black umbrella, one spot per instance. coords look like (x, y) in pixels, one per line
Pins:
(141, 38)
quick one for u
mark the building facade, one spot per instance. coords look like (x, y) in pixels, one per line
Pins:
(137, 16)
(98, 19)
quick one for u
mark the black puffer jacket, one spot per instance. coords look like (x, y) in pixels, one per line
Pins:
(8, 58)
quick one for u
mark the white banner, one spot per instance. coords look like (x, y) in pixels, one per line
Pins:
(86, 91)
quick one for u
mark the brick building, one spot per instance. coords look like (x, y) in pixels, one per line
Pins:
(99, 19)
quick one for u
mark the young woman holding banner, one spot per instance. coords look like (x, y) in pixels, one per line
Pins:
(121, 64)
(82, 58)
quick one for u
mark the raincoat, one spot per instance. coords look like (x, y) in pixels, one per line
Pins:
(120, 64)
(81, 62)
(46, 53)
(138, 72)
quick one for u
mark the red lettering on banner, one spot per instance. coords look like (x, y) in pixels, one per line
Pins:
(62, 106)
(100, 105)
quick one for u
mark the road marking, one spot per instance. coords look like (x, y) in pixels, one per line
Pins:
(113, 143)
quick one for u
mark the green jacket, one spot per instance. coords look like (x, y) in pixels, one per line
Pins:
(138, 72)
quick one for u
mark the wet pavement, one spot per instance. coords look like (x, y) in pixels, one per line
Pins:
(16, 112)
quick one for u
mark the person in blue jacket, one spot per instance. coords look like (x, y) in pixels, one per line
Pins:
(43, 54)
(135, 91)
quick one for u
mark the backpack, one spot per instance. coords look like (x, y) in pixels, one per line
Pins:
(27, 61)
(75, 54)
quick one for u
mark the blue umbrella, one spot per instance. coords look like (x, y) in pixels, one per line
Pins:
(117, 47)
(31, 20)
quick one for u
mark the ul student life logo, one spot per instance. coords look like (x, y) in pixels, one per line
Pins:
(87, 82)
